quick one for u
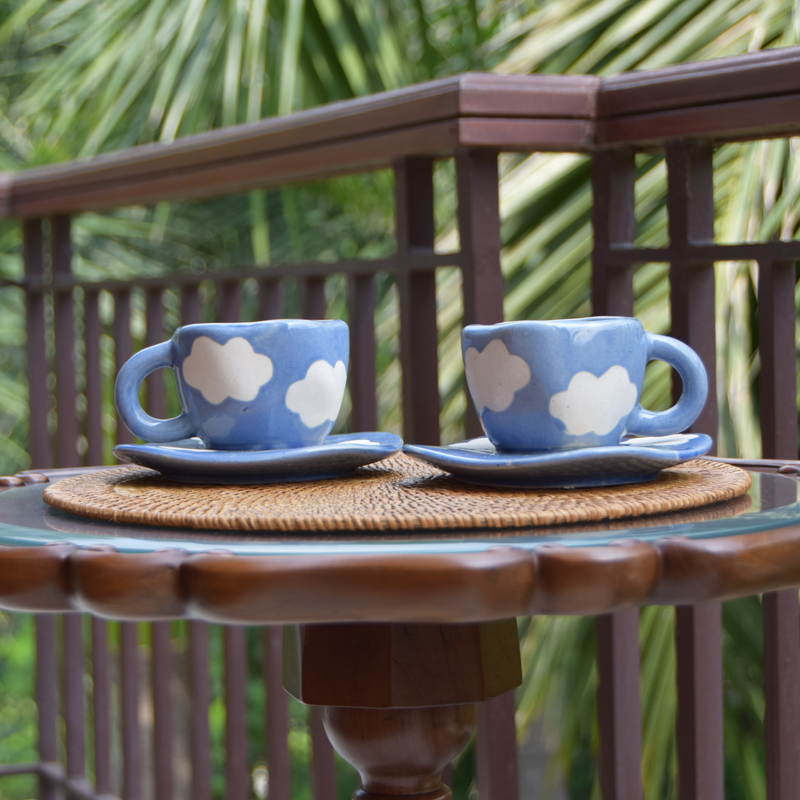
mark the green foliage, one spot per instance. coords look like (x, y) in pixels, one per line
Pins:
(560, 682)
(18, 733)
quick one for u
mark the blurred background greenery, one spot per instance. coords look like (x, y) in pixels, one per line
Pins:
(83, 77)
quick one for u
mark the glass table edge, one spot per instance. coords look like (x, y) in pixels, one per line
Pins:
(12, 535)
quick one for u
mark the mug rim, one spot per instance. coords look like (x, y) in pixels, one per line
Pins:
(253, 323)
(560, 322)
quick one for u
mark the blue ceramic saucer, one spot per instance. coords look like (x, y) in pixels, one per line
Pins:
(632, 461)
(188, 461)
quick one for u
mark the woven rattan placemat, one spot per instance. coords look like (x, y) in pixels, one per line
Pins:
(397, 494)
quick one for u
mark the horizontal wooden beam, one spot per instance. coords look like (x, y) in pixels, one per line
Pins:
(745, 97)
(359, 135)
(703, 253)
(414, 261)
(154, 182)
(767, 73)
(753, 118)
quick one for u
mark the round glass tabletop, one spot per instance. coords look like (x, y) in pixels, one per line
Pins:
(25, 520)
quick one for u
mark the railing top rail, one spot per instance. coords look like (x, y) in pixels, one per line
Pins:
(754, 75)
(733, 98)
(728, 99)
(356, 135)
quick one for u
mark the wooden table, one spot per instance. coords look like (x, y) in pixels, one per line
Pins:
(430, 619)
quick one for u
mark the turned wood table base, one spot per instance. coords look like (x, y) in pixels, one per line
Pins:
(400, 751)
(399, 699)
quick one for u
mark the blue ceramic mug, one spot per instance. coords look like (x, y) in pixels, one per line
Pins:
(244, 386)
(550, 385)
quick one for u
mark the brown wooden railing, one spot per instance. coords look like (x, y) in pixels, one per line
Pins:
(684, 110)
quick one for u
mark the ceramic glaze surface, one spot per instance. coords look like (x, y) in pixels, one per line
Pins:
(545, 386)
(220, 371)
(632, 461)
(317, 397)
(189, 461)
(244, 386)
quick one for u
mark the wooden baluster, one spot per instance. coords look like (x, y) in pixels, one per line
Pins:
(417, 288)
(777, 349)
(123, 348)
(782, 693)
(614, 222)
(64, 327)
(47, 699)
(362, 353)
(129, 685)
(201, 698)
(230, 295)
(39, 443)
(190, 304)
(690, 205)
(270, 300)
(776, 314)
(781, 613)
(162, 709)
(323, 769)
(619, 709)
(74, 719)
(236, 713)
(698, 635)
(479, 229)
(101, 706)
(94, 378)
(156, 389)
(496, 749)
(313, 298)
(447, 772)
(277, 717)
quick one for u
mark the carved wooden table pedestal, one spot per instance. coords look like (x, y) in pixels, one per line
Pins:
(399, 699)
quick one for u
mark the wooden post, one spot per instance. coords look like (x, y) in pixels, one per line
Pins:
(701, 762)
(619, 705)
(418, 332)
(777, 348)
(362, 353)
(39, 398)
(64, 329)
(614, 222)
(479, 229)
(690, 205)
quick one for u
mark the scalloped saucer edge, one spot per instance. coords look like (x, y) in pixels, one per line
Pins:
(187, 461)
(634, 460)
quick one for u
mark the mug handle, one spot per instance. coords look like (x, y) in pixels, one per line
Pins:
(695, 389)
(126, 397)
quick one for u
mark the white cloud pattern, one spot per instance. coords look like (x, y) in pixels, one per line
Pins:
(232, 369)
(494, 375)
(319, 395)
(595, 405)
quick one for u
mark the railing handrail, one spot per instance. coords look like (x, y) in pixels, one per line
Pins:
(356, 135)
(752, 75)
(419, 261)
(747, 96)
